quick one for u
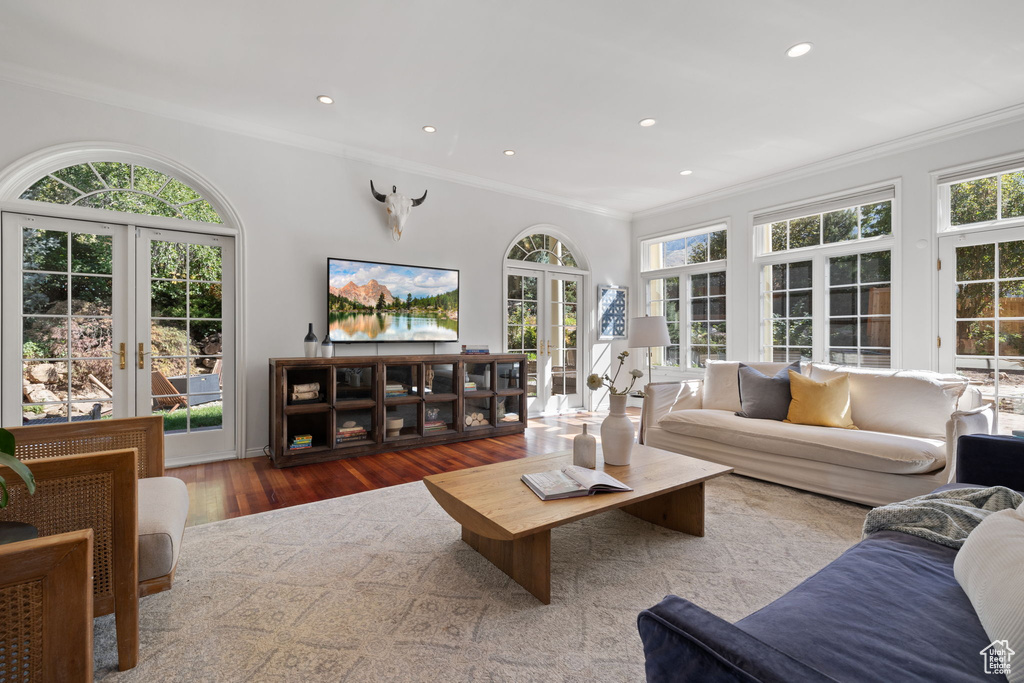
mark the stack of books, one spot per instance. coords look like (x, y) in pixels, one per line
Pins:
(305, 392)
(469, 386)
(435, 426)
(476, 350)
(346, 434)
(300, 441)
(394, 389)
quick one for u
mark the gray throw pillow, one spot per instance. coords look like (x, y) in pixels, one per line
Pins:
(765, 397)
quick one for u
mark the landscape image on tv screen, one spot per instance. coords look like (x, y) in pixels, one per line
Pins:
(383, 302)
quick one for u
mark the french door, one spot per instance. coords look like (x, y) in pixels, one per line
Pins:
(542, 321)
(106, 320)
(981, 316)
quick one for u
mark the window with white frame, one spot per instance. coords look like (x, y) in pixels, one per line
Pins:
(118, 186)
(991, 195)
(826, 280)
(684, 280)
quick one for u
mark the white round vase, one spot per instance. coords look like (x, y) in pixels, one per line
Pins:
(617, 433)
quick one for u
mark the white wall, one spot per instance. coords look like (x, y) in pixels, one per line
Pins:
(299, 207)
(917, 326)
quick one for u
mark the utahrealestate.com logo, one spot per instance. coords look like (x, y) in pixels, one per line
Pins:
(997, 657)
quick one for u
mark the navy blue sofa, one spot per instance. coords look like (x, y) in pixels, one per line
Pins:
(888, 609)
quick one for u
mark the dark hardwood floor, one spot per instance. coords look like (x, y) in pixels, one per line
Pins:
(233, 488)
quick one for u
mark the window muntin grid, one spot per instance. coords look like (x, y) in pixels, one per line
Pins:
(707, 318)
(540, 248)
(833, 227)
(991, 198)
(694, 306)
(788, 328)
(684, 249)
(67, 323)
(124, 187)
(859, 310)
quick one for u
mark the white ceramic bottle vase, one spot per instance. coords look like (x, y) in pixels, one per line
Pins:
(617, 433)
(584, 450)
(327, 347)
(312, 348)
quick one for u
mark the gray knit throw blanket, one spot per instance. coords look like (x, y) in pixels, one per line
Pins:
(945, 517)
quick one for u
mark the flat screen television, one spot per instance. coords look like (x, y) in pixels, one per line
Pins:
(385, 302)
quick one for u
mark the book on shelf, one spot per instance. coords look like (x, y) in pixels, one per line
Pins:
(435, 426)
(300, 441)
(476, 349)
(572, 481)
(469, 386)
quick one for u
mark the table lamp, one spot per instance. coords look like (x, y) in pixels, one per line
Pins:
(646, 332)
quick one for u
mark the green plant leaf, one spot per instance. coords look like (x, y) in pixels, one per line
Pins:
(6, 441)
(21, 470)
(3, 493)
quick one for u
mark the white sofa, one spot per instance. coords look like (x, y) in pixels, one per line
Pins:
(905, 445)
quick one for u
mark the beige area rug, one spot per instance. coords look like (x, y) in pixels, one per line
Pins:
(378, 586)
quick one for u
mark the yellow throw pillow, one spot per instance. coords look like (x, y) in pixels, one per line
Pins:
(826, 404)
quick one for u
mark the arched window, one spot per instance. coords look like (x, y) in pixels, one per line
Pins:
(545, 309)
(540, 248)
(118, 186)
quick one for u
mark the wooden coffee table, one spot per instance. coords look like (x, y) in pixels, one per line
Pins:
(503, 520)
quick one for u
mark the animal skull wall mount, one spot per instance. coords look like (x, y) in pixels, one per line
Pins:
(398, 208)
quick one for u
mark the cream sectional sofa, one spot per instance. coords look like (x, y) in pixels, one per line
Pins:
(905, 445)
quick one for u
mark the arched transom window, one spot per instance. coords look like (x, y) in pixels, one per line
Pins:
(118, 186)
(540, 248)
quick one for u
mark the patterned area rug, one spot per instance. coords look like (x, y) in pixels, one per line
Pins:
(378, 586)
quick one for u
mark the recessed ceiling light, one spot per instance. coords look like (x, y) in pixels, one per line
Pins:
(325, 99)
(647, 123)
(686, 172)
(510, 152)
(429, 129)
(799, 50)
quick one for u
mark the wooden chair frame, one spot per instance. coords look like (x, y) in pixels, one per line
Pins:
(46, 588)
(143, 433)
(97, 491)
(146, 434)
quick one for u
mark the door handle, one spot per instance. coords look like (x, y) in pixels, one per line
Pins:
(142, 356)
(121, 355)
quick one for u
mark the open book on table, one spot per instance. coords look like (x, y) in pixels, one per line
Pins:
(572, 481)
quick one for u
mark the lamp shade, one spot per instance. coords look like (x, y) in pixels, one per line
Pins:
(650, 330)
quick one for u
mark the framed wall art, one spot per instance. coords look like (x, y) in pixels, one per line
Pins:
(612, 305)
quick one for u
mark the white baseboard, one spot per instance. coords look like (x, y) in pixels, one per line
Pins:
(186, 460)
(255, 453)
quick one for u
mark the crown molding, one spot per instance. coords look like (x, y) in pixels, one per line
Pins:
(906, 143)
(42, 80)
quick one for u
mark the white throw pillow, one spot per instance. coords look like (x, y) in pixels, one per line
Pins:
(722, 384)
(910, 402)
(988, 568)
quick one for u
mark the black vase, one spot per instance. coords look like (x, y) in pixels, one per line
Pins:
(311, 343)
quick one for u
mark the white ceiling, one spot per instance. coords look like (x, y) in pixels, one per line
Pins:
(563, 82)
